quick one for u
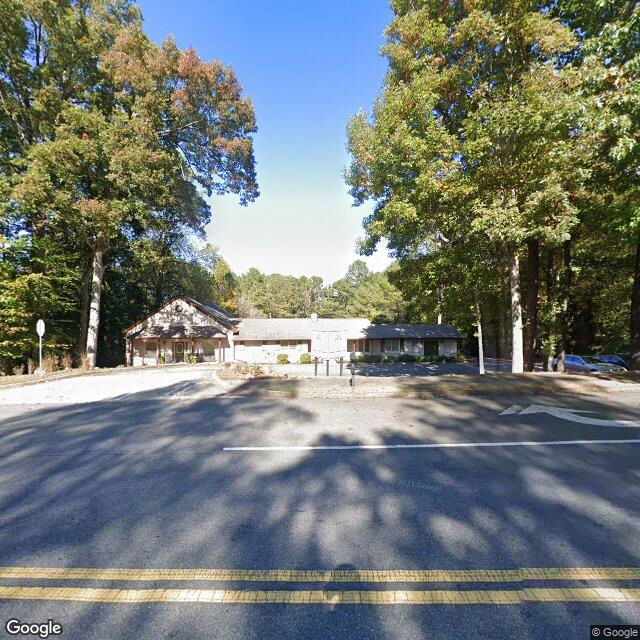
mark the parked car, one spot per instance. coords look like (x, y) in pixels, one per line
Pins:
(611, 359)
(588, 364)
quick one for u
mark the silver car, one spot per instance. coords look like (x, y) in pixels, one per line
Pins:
(588, 364)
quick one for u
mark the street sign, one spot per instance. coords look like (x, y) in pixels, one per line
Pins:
(40, 332)
(328, 343)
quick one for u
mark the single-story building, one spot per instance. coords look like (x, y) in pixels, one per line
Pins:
(182, 330)
(187, 330)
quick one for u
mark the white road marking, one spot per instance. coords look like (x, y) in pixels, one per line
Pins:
(514, 408)
(444, 445)
(569, 414)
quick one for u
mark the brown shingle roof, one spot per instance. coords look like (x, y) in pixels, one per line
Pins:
(178, 331)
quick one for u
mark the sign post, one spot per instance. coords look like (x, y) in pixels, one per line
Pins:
(40, 330)
(352, 358)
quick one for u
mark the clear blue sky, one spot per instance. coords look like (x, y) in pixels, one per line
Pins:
(308, 66)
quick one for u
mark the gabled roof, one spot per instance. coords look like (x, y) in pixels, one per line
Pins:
(283, 328)
(416, 331)
(297, 328)
(214, 311)
(221, 316)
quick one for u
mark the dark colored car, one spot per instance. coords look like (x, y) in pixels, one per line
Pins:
(617, 360)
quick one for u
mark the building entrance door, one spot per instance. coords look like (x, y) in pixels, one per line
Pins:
(179, 351)
(430, 347)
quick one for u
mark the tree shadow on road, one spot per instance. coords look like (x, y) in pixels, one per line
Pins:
(147, 483)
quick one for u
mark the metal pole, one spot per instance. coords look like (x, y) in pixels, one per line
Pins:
(480, 346)
(315, 369)
(327, 367)
(353, 375)
(40, 340)
(341, 362)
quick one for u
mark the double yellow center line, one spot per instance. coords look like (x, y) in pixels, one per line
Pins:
(326, 595)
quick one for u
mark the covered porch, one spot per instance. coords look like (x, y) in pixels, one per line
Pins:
(153, 346)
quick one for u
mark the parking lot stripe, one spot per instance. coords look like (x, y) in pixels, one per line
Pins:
(321, 597)
(439, 445)
(324, 576)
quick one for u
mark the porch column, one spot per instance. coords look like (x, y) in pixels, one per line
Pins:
(219, 351)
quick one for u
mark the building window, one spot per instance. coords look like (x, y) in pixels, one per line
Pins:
(151, 349)
(392, 346)
(209, 348)
(415, 347)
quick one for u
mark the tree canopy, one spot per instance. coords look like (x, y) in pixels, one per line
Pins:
(505, 133)
(109, 147)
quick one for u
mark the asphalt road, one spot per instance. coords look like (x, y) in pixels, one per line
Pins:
(147, 481)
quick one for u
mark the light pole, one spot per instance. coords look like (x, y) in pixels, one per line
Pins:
(40, 330)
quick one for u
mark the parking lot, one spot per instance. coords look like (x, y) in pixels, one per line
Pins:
(392, 369)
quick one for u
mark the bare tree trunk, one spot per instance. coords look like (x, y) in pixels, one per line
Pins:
(159, 293)
(549, 343)
(99, 249)
(533, 281)
(564, 319)
(480, 346)
(85, 301)
(517, 360)
(634, 324)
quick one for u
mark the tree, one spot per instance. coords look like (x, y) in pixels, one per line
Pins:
(363, 293)
(609, 63)
(118, 138)
(474, 138)
(50, 83)
(224, 285)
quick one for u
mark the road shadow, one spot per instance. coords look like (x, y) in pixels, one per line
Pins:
(147, 482)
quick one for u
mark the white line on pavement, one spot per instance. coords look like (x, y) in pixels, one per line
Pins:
(444, 445)
(514, 408)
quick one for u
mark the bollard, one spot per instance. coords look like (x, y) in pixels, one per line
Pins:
(327, 367)
(341, 362)
(315, 368)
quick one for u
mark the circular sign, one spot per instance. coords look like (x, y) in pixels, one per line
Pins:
(40, 327)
